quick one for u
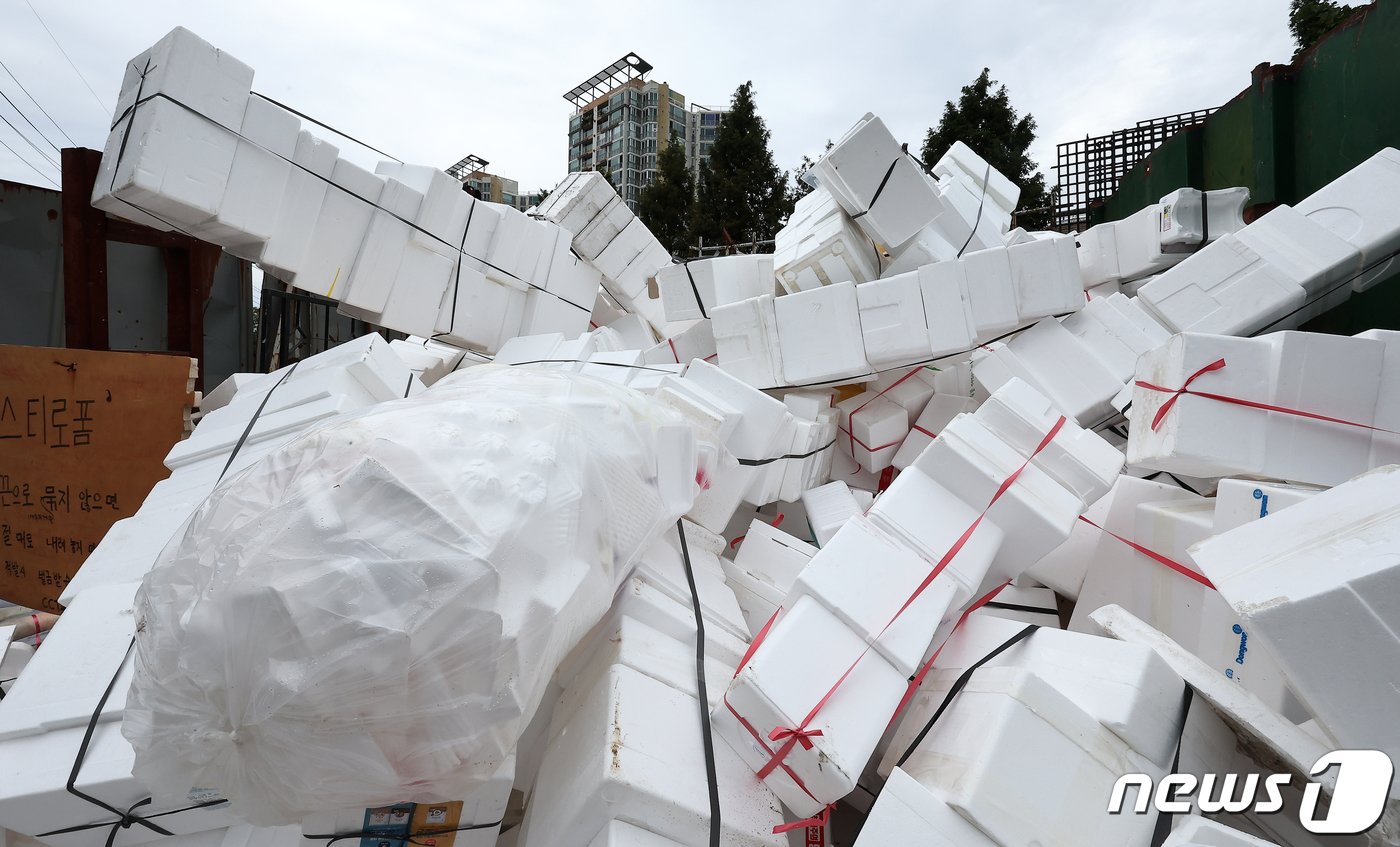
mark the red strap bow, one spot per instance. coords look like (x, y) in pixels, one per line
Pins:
(1176, 393)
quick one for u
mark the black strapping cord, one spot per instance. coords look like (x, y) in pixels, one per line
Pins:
(1163, 827)
(958, 686)
(1019, 607)
(409, 387)
(876, 196)
(344, 135)
(695, 288)
(254, 419)
(980, 203)
(751, 463)
(703, 697)
(411, 838)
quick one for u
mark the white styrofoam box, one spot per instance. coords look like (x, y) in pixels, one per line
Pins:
(603, 228)
(969, 220)
(1045, 277)
(225, 391)
(421, 290)
(993, 299)
(828, 507)
(381, 252)
(1116, 331)
(623, 250)
(807, 405)
(1351, 208)
(1190, 218)
(928, 247)
(486, 311)
(546, 312)
(1139, 244)
(632, 752)
(929, 520)
(773, 556)
(442, 216)
(871, 429)
(14, 657)
(640, 599)
(826, 251)
(941, 409)
(863, 576)
(617, 833)
(188, 70)
(758, 600)
(1104, 289)
(1098, 255)
(760, 415)
(948, 308)
(1314, 581)
(340, 228)
(1197, 831)
(723, 279)
(963, 163)
(616, 366)
(1078, 459)
(571, 278)
(1035, 513)
(483, 806)
(1225, 287)
(1385, 446)
(906, 812)
(1050, 358)
(872, 177)
(529, 348)
(1023, 604)
(909, 389)
(806, 652)
(1300, 248)
(1240, 501)
(858, 477)
(819, 336)
(999, 755)
(892, 320)
(693, 340)
(256, 181)
(313, 161)
(576, 201)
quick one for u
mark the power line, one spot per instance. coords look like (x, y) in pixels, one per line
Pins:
(37, 148)
(31, 123)
(26, 162)
(107, 110)
(37, 103)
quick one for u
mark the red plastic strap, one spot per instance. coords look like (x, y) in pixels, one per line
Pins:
(757, 640)
(886, 478)
(37, 630)
(781, 755)
(855, 441)
(917, 428)
(819, 819)
(1155, 556)
(674, 354)
(777, 522)
(803, 737)
(850, 419)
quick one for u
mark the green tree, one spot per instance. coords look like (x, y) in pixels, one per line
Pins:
(984, 120)
(1310, 20)
(742, 195)
(799, 188)
(664, 206)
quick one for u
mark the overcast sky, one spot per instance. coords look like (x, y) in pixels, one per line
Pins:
(433, 81)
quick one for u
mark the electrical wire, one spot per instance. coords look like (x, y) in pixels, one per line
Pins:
(107, 110)
(26, 162)
(37, 103)
(31, 123)
(37, 148)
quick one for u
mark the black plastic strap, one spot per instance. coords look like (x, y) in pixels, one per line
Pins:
(588, 362)
(986, 175)
(695, 288)
(457, 278)
(409, 387)
(958, 686)
(878, 191)
(345, 135)
(753, 463)
(706, 737)
(411, 838)
(1163, 827)
(1020, 607)
(1205, 220)
(247, 430)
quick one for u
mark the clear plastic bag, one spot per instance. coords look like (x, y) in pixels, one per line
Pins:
(371, 614)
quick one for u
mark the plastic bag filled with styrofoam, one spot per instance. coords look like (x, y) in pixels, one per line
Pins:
(371, 614)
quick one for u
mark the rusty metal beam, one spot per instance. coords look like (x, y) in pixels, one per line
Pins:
(84, 253)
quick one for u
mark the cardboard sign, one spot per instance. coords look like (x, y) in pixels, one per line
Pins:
(83, 434)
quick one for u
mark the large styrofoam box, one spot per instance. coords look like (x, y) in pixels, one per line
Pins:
(991, 292)
(772, 555)
(927, 248)
(1045, 277)
(970, 220)
(603, 228)
(189, 70)
(906, 812)
(1314, 581)
(420, 287)
(1355, 206)
(941, 409)
(1225, 287)
(1385, 446)
(1098, 255)
(1126, 687)
(892, 320)
(340, 229)
(828, 507)
(632, 752)
(1302, 249)
(871, 429)
(256, 182)
(313, 160)
(723, 279)
(1000, 753)
(1191, 218)
(819, 335)
(872, 177)
(1051, 359)
(963, 162)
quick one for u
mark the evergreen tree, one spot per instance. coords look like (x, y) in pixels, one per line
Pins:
(984, 120)
(1310, 20)
(742, 195)
(664, 206)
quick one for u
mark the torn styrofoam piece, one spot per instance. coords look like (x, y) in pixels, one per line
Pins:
(962, 163)
(820, 245)
(1197, 831)
(716, 281)
(906, 812)
(1353, 207)
(1241, 501)
(872, 428)
(1191, 218)
(941, 409)
(261, 168)
(877, 182)
(819, 334)
(892, 320)
(829, 507)
(995, 753)
(1293, 371)
(632, 752)
(1330, 559)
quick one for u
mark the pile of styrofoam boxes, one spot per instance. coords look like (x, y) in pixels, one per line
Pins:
(1346, 392)
(844, 608)
(1056, 702)
(625, 743)
(1159, 236)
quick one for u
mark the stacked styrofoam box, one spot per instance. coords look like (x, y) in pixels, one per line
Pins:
(1315, 583)
(1191, 218)
(764, 569)
(1159, 236)
(717, 281)
(1356, 208)
(1351, 379)
(688, 340)
(963, 166)
(937, 413)
(352, 376)
(625, 745)
(820, 245)
(844, 608)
